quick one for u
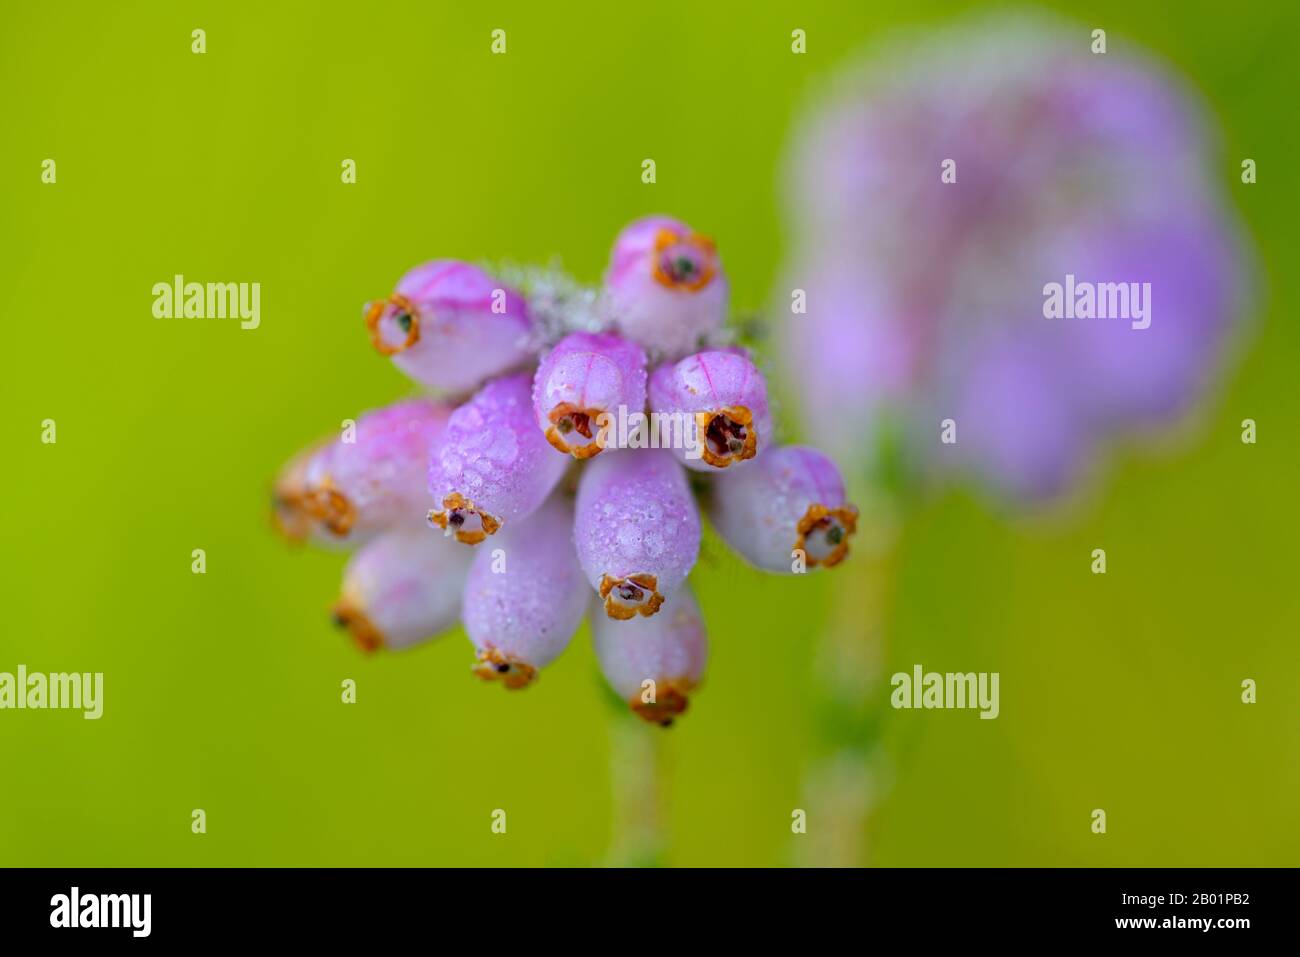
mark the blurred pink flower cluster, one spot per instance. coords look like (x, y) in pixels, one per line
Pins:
(941, 191)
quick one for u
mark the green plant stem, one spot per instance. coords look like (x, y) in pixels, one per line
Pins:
(639, 784)
(842, 780)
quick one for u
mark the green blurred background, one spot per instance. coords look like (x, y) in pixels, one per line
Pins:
(222, 690)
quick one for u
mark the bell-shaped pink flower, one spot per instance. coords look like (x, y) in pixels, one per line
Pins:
(369, 479)
(401, 588)
(492, 464)
(586, 377)
(636, 529)
(785, 512)
(724, 397)
(653, 663)
(450, 326)
(525, 596)
(665, 287)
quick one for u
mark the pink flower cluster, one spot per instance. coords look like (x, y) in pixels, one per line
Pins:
(937, 193)
(518, 507)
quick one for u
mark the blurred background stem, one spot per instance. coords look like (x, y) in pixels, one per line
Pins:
(638, 769)
(844, 777)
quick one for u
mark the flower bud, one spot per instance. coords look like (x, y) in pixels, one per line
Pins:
(636, 529)
(725, 397)
(665, 287)
(789, 504)
(450, 326)
(491, 465)
(401, 589)
(366, 481)
(525, 596)
(587, 376)
(653, 663)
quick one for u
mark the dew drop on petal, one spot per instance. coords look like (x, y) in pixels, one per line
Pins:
(629, 540)
(504, 447)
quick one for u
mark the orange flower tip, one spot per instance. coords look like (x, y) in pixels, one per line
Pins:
(495, 665)
(671, 700)
(460, 518)
(367, 636)
(394, 324)
(824, 534)
(331, 508)
(685, 263)
(570, 430)
(289, 516)
(633, 595)
(728, 435)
